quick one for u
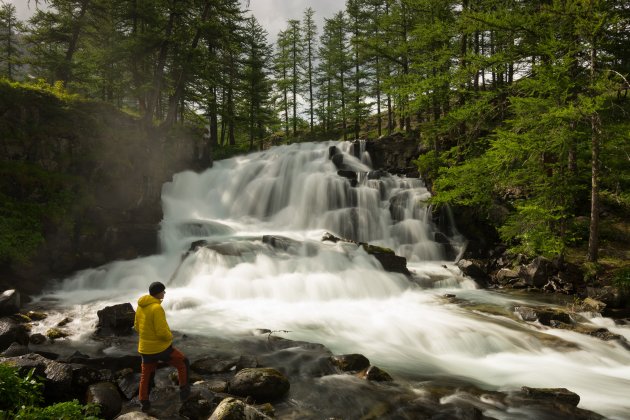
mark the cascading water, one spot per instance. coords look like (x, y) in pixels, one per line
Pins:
(336, 293)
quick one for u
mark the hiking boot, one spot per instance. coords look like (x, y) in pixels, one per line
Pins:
(184, 392)
(146, 406)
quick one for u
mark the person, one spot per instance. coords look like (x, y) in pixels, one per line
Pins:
(156, 344)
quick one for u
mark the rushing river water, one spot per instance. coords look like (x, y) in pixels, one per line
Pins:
(335, 293)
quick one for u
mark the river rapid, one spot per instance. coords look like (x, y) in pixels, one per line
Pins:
(336, 293)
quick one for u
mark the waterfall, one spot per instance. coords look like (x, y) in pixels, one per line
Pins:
(336, 293)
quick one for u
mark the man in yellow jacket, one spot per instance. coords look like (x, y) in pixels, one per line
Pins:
(156, 344)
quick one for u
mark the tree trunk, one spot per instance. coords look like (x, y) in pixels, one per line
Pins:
(64, 72)
(596, 132)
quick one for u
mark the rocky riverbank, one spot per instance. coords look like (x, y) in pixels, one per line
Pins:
(259, 376)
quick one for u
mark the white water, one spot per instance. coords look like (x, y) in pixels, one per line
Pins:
(338, 295)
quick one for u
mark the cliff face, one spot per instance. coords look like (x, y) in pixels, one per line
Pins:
(83, 182)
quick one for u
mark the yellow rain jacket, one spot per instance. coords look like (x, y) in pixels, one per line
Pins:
(150, 322)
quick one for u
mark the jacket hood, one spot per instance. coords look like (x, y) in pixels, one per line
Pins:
(147, 300)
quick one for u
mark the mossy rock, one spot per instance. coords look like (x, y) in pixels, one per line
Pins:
(56, 333)
(36, 316)
(375, 249)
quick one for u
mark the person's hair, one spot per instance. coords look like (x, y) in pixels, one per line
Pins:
(156, 288)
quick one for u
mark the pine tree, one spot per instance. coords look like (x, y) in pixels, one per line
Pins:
(309, 31)
(10, 28)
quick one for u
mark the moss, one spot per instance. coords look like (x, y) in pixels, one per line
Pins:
(56, 333)
(374, 249)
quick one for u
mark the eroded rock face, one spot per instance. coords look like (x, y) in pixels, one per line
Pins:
(116, 320)
(261, 384)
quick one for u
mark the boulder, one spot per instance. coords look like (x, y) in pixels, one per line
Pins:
(136, 415)
(526, 313)
(233, 409)
(593, 305)
(37, 339)
(107, 397)
(197, 407)
(392, 262)
(84, 376)
(261, 384)
(112, 363)
(538, 272)
(15, 349)
(9, 302)
(506, 276)
(36, 316)
(116, 320)
(375, 374)
(57, 376)
(56, 333)
(128, 382)
(546, 316)
(350, 362)
(474, 269)
(561, 395)
(12, 332)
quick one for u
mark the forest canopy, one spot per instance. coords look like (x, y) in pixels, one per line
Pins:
(524, 102)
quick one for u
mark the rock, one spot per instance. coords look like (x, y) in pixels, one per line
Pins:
(246, 361)
(392, 263)
(107, 397)
(36, 316)
(505, 276)
(57, 376)
(15, 349)
(337, 160)
(9, 302)
(113, 363)
(262, 384)
(526, 313)
(233, 409)
(197, 407)
(561, 395)
(375, 374)
(64, 322)
(538, 272)
(546, 316)
(136, 415)
(128, 382)
(56, 333)
(593, 305)
(84, 376)
(116, 320)
(350, 362)
(474, 269)
(212, 364)
(10, 332)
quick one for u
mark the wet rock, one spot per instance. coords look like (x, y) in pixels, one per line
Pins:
(15, 349)
(84, 376)
(9, 302)
(197, 407)
(128, 382)
(247, 361)
(192, 377)
(57, 376)
(337, 160)
(474, 269)
(116, 320)
(262, 384)
(526, 313)
(64, 322)
(214, 364)
(56, 333)
(611, 296)
(392, 262)
(349, 175)
(561, 395)
(375, 374)
(350, 362)
(538, 272)
(113, 363)
(107, 397)
(593, 305)
(506, 276)
(215, 385)
(36, 316)
(12, 332)
(233, 409)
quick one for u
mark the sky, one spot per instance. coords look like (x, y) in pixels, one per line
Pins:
(272, 14)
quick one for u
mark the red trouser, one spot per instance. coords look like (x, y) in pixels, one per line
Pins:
(173, 357)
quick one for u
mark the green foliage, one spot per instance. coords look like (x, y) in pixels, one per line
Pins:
(621, 279)
(17, 391)
(531, 230)
(22, 396)
(69, 410)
